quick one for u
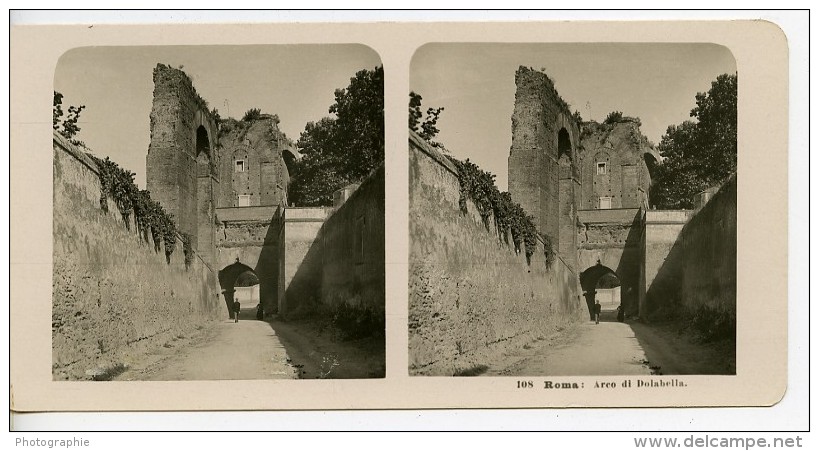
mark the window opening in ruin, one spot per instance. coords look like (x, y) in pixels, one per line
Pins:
(564, 144)
(240, 165)
(602, 169)
(605, 203)
(244, 200)
(202, 143)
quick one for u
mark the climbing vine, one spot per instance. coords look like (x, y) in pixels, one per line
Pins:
(478, 186)
(67, 127)
(150, 218)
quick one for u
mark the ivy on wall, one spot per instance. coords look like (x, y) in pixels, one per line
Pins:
(510, 218)
(149, 216)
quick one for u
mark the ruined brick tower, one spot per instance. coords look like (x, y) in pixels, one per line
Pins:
(183, 161)
(224, 182)
(586, 185)
(543, 171)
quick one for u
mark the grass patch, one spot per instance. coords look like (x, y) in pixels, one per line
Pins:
(107, 373)
(356, 322)
(475, 370)
(712, 324)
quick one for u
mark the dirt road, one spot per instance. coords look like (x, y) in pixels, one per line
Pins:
(607, 348)
(253, 349)
(614, 348)
(248, 349)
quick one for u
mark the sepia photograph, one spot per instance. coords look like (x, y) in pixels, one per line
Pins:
(587, 215)
(573, 210)
(218, 213)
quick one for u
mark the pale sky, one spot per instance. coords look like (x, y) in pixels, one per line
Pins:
(475, 83)
(115, 84)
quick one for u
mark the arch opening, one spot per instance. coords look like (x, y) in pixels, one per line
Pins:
(204, 230)
(202, 142)
(601, 285)
(240, 283)
(564, 144)
(203, 156)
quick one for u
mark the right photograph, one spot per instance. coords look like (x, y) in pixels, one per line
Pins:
(572, 209)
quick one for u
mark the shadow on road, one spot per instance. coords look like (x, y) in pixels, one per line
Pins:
(672, 349)
(318, 352)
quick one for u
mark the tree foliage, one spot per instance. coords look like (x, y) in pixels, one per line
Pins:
(698, 154)
(426, 128)
(337, 151)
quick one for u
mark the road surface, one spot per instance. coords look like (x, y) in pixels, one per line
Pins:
(248, 349)
(615, 348)
(253, 349)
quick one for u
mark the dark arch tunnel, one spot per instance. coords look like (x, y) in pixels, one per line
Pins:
(235, 275)
(597, 277)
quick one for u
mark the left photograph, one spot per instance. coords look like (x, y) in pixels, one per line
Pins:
(218, 213)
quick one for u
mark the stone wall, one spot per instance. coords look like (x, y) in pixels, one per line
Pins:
(694, 269)
(471, 295)
(710, 264)
(334, 256)
(301, 258)
(114, 297)
(353, 254)
(661, 233)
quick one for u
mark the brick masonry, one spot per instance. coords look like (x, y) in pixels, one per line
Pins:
(114, 297)
(182, 161)
(561, 172)
(470, 294)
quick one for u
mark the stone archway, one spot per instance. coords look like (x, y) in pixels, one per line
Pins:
(233, 276)
(600, 283)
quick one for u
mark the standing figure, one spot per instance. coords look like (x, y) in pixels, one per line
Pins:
(237, 307)
(597, 309)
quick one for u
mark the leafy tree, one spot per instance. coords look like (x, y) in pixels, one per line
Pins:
(426, 129)
(699, 154)
(344, 149)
